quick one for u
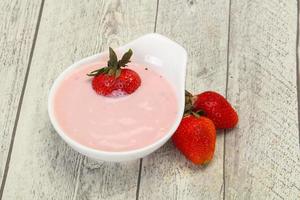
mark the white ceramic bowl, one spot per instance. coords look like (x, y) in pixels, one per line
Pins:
(154, 50)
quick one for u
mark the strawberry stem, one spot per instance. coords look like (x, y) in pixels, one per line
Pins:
(113, 67)
(189, 108)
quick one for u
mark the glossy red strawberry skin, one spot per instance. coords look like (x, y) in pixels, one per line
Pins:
(196, 139)
(103, 84)
(128, 82)
(216, 108)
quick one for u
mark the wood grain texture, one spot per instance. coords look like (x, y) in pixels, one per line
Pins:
(262, 154)
(42, 165)
(17, 27)
(201, 27)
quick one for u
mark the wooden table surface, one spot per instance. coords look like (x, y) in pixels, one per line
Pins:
(246, 50)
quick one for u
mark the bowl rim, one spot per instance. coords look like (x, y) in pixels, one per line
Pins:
(96, 152)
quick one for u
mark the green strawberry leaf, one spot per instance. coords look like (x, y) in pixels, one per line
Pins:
(125, 59)
(113, 59)
(97, 72)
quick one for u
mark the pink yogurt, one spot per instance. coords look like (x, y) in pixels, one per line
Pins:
(115, 123)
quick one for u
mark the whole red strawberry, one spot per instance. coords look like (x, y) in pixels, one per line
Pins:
(196, 138)
(216, 108)
(115, 78)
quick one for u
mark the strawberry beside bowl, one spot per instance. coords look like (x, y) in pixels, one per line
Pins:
(154, 51)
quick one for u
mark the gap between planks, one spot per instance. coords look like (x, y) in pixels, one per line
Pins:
(226, 90)
(141, 160)
(297, 69)
(21, 99)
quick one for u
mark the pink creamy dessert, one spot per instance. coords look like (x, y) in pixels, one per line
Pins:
(115, 123)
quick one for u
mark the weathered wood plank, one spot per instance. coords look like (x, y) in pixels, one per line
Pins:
(201, 27)
(42, 165)
(262, 154)
(17, 28)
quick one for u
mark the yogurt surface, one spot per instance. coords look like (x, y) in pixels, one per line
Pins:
(115, 123)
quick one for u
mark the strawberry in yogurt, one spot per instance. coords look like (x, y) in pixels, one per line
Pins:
(114, 77)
